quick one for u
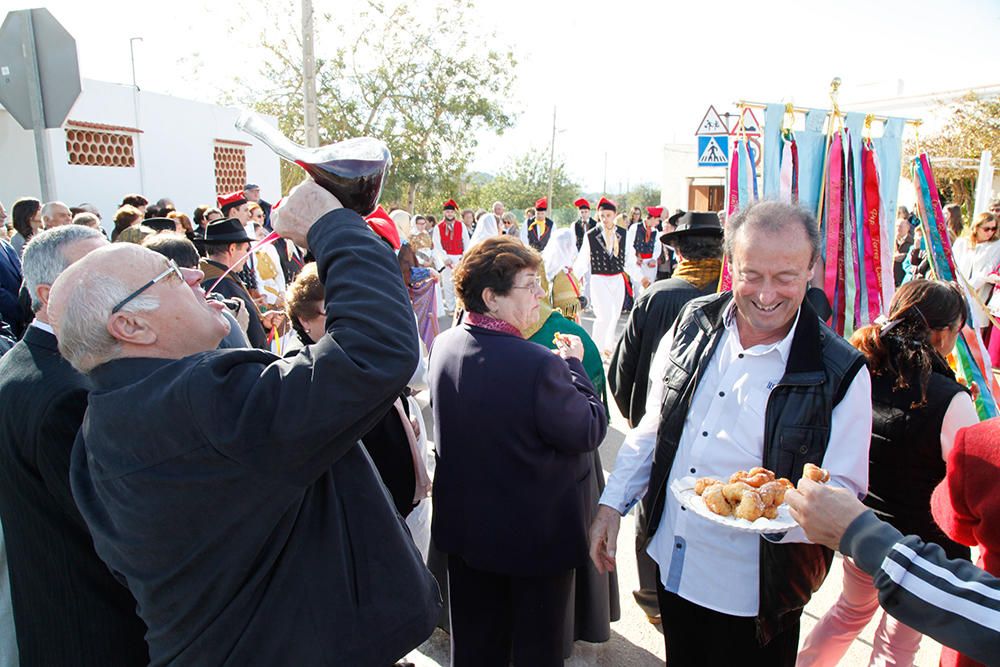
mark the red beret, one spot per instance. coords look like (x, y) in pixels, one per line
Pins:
(450, 204)
(542, 204)
(606, 204)
(655, 211)
(231, 199)
(582, 203)
(382, 224)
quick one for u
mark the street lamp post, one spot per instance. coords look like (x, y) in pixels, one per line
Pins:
(135, 109)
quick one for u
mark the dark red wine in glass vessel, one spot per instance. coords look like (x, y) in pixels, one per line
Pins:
(353, 171)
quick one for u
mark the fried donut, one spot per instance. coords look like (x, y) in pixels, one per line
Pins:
(758, 470)
(716, 501)
(703, 483)
(734, 491)
(738, 476)
(773, 493)
(771, 512)
(785, 482)
(815, 473)
(758, 480)
(751, 507)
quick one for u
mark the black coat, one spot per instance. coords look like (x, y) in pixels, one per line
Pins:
(512, 477)
(229, 491)
(68, 609)
(654, 313)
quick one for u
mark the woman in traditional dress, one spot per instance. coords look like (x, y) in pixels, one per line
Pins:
(918, 408)
(564, 286)
(594, 602)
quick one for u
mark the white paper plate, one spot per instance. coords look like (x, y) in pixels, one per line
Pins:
(683, 490)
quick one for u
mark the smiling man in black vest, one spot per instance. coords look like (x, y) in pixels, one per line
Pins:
(742, 379)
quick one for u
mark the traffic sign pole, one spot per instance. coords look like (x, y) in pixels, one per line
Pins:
(46, 179)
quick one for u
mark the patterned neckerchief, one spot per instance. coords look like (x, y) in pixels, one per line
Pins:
(492, 324)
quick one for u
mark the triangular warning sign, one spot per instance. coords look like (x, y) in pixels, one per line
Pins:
(751, 126)
(713, 153)
(711, 123)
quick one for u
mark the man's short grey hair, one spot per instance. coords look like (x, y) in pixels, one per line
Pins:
(773, 216)
(47, 209)
(86, 219)
(44, 257)
(84, 339)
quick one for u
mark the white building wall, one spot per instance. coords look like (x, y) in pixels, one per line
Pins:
(18, 164)
(175, 149)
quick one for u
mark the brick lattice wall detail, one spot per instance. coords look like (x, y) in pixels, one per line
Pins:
(230, 168)
(99, 149)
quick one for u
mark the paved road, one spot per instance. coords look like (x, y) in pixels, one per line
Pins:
(636, 643)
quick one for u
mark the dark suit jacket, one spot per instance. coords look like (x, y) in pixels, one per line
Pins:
(68, 609)
(229, 491)
(653, 314)
(10, 284)
(514, 427)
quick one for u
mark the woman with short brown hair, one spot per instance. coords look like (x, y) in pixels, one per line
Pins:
(510, 565)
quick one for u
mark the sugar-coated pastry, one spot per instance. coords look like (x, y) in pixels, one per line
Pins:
(751, 507)
(716, 501)
(815, 473)
(738, 476)
(759, 479)
(703, 483)
(773, 493)
(758, 470)
(784, 481)
(734, 491)
(771, 512)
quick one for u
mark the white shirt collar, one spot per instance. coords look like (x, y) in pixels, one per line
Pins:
(43, 326)
(783, 346)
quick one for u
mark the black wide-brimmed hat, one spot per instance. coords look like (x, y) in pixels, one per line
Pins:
(704, 223)
(160, 224)
(228, 230)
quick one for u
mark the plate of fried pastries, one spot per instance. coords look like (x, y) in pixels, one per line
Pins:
(752, 501)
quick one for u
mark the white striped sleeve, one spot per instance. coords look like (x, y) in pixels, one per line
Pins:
(952, 601)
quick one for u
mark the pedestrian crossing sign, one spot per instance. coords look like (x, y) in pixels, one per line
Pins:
(713, 151)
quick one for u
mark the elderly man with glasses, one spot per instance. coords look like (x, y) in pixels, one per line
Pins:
(227, 489)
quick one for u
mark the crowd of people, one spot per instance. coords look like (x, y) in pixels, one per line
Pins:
(212, 454)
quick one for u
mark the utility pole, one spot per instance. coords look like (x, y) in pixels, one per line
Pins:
(135, 110)
(309, 76)
(604, 185)
(552, 155)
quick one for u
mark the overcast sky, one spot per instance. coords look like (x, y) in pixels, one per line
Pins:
(627, 76)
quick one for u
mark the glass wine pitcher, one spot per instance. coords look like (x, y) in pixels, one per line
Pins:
(353, 171)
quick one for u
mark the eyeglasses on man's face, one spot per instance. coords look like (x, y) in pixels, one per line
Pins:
(172, 268)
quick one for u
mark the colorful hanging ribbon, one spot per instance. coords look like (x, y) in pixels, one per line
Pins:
(833, 211)
(788, 187)
(742, 187)
(871, 210)
(971, 360)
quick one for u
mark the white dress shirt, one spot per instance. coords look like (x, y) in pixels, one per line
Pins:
(705, 563)
(439, 253)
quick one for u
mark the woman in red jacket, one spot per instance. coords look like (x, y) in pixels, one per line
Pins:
(966, 504)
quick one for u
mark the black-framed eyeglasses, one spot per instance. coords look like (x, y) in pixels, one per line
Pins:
(171, 268)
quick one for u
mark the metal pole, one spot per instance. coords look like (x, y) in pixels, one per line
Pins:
(552, 155)
(310, 115)
(604, 186)
(135, 110)
(46, 179)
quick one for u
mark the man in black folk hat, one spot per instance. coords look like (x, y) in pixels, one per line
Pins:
(697, 240)
(226, 246)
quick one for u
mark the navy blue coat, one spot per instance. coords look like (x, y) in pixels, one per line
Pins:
(229, 492)
(10, 283)
(514, 427)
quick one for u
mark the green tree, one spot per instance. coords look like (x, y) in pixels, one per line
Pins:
(524, 180)
(973, 126)
(398, 76)
(642, 195)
